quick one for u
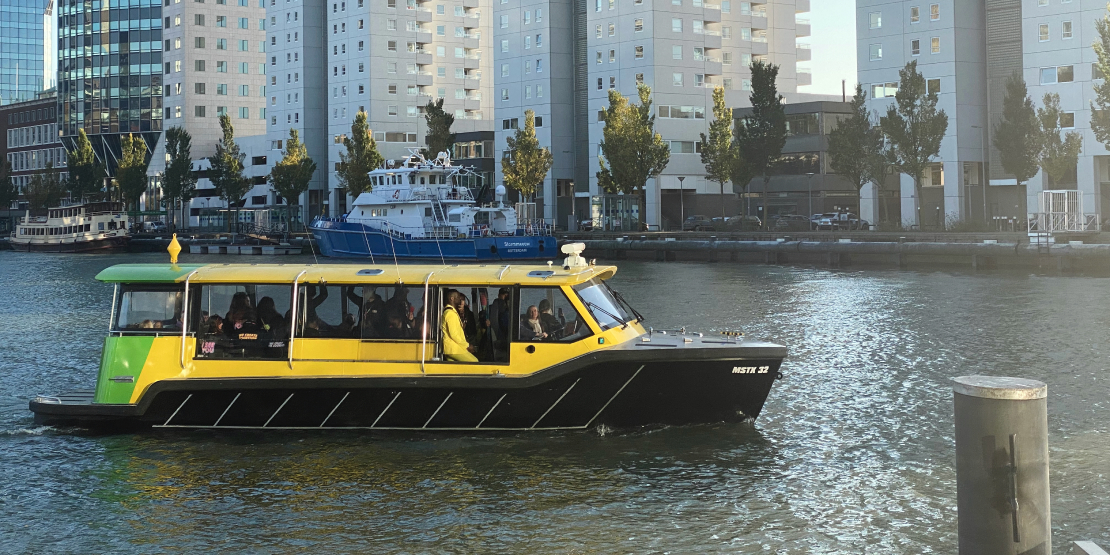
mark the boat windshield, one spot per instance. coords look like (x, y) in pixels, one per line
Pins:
(603, 305)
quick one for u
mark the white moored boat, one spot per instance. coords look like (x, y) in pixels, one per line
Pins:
(81, 227)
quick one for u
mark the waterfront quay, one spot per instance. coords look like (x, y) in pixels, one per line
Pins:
(1078, 252)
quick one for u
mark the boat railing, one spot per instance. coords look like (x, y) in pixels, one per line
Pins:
(534, 227)
(442, 193)
(33, 220)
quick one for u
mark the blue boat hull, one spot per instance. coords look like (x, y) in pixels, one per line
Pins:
(352, 240)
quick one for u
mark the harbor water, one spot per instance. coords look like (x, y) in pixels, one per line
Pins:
(854, 451)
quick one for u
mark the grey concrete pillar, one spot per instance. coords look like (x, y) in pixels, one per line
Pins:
(1002, 490)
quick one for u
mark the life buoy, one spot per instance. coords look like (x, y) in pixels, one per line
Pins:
(485, 231)
(397, 193)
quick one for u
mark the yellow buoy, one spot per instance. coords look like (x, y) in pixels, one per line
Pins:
(174, 249)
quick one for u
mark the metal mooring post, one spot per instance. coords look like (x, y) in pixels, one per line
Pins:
(1002, 466)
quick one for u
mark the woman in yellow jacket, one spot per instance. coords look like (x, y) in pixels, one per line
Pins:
(455, 346)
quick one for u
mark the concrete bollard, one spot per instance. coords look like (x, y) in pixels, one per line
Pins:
(1002, 491)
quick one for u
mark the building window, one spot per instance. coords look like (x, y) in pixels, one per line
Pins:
(676, 25)
(676, 52)
(504, 22)
(726, 58)
(932, 86)
(1067, 120)
(221, 21)
(876, 52)
(198, 111)
(1042, 32)
(934, 12)
(1065, 30)
(612, 56)
(198, 19)
(639, 52)
(745, 84)
(876, 19)
(244, 112)
(198, 65)
(915, 14)
(612, 30)
(198, 88)
(1057, 74)
(934, 45)
(600, 86)
(504, 94)
(639, 24)
(676, 79)
(504, 45)
(198, 42)
(915, 47)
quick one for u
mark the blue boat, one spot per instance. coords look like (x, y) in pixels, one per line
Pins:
(420, 209)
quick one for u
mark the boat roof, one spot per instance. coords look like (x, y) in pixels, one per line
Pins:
(385, 274)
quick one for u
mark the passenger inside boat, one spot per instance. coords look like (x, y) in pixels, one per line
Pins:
(253, 325)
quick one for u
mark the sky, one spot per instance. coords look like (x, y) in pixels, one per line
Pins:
(833, 25)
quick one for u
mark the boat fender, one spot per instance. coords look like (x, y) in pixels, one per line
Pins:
(397, 193)
(778, 375)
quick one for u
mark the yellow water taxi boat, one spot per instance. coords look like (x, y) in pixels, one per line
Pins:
(412, 347)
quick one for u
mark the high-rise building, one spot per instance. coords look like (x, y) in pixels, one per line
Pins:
(560, 59)
(110, 73)
(332, 58)
(214, 62)
(966, 51)
(25, 31)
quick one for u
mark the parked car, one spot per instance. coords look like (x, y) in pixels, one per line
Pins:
(743, 223)
(792, 222)
(828, 221)
(154, 227)
(697, 223)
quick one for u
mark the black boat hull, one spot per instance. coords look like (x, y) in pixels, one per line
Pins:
(618, 389)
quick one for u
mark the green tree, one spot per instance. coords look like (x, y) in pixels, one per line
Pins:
(630, 151)
(528, 162)
(1058, 154)
(439, 137)
(131, 174)
(361, 157)
(46, 189)
(716, 149)
(1017, 136)
(86, 174)
(226, 171)
(9, 193)
(179, 183)
(761, 135)
(291, 175)
(1100, 108)
(914, 128)
(856, 146)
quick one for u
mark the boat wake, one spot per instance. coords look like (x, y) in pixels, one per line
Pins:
(36, 431)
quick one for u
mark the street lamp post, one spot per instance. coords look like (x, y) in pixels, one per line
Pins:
(681, 203)
(809, 181)
(983, 167)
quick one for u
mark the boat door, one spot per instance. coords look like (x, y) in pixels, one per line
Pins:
(474, 325)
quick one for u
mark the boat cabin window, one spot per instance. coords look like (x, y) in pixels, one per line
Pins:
(369, 312)
(474, 324)
(147, 309)
(242, 321)
(603, 305)
(547, 315)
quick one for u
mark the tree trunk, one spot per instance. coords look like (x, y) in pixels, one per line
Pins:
(722, 201)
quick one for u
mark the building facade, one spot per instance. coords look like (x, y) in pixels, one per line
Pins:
(966, 51)
(562, 63)
(389, 59)
(29, 132)
(26, 29)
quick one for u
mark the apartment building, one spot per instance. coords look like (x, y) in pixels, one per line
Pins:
(966, 51)
(388, 58)
(562, 64)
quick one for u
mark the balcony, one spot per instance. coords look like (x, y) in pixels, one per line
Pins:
(470, 115)
(712, 13)
(472, 83)
(472, 61)
(472, 104)
(470, 4)
(759, 23)
(759, 48)
(423, 37)
(711, 38)
(803, 52)
(804, 78)
(423, 58)
(802, 30)
(424, 79)
(801, 6)
(423, 15)
(471, 43)
(713, 66)
(470, 21)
